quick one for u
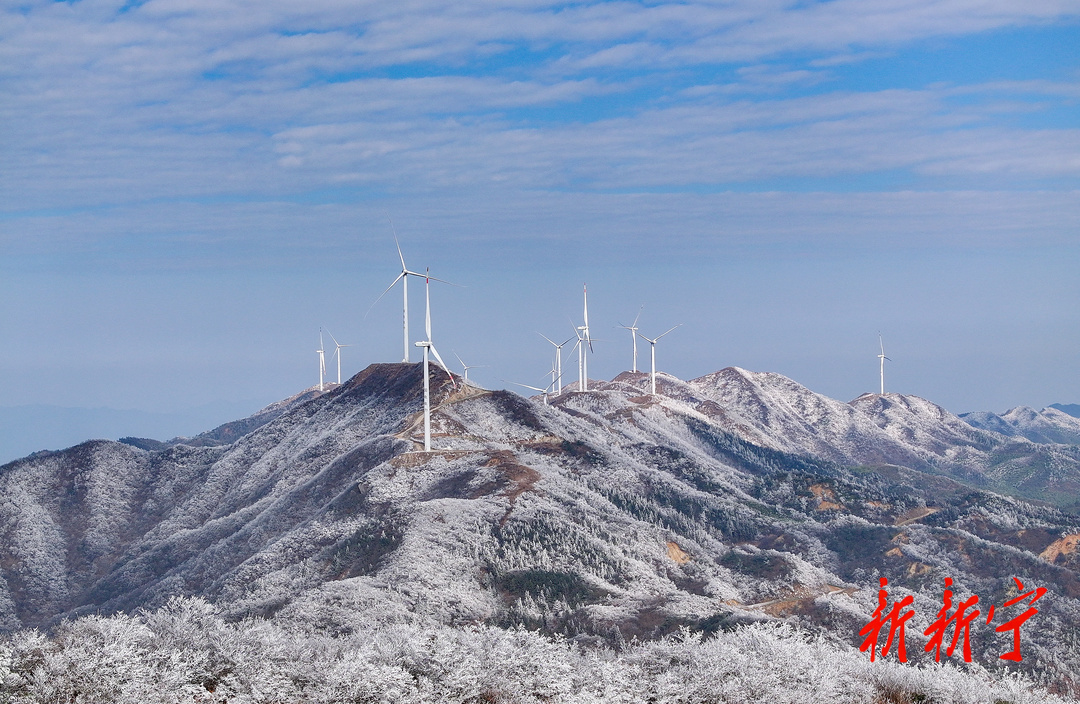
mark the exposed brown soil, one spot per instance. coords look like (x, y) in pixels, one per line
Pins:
(826, 497)
(520, 477)
(677, 554)
(1060, 549)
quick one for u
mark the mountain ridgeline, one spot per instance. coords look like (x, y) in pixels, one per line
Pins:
(605, 516)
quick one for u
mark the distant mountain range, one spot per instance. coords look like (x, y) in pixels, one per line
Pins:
(605, 516)
(29, 428)
(1073, 409)
(1050, 425)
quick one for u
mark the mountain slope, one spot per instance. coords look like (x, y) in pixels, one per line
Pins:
(608, 515)
(228, 433)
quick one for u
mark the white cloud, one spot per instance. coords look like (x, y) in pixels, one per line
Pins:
(180, 99)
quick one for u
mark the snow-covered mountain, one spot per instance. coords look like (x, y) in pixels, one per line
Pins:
(606, 515)
(773, 411)
(1050, 425)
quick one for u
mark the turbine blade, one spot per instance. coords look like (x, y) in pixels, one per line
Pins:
(634, 324)
(333, 338)
(585, 289)
(659, 336)
(546, 338)
(534, 388)
(443, 364)
(428, 276)
(396, 243)
(399, 277)
(427, 317)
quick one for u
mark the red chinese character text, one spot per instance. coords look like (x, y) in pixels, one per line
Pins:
(938, 627)
(1014, 624)
(894, 618)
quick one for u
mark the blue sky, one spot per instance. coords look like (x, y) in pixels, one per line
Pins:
(188, 190)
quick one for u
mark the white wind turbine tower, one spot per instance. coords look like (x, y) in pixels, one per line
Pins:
(337, 353)
(577, 346)
(652, 349)
(403, 277)
(583, 339)
(322, 360)
(556, 372)
(882, 357)
(633, 334)
(426, 345)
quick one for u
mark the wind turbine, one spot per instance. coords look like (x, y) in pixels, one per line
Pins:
(322, 360)
(466, 367)
(633, 334)
(403, 277)
(584, 337)
(337, 353)
(652, 350)
(882, 357)
(426, 344)
(556, 371)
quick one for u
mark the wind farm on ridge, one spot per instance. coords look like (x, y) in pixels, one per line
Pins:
(582, 336)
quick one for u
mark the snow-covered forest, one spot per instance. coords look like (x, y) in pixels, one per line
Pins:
(186, 652)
